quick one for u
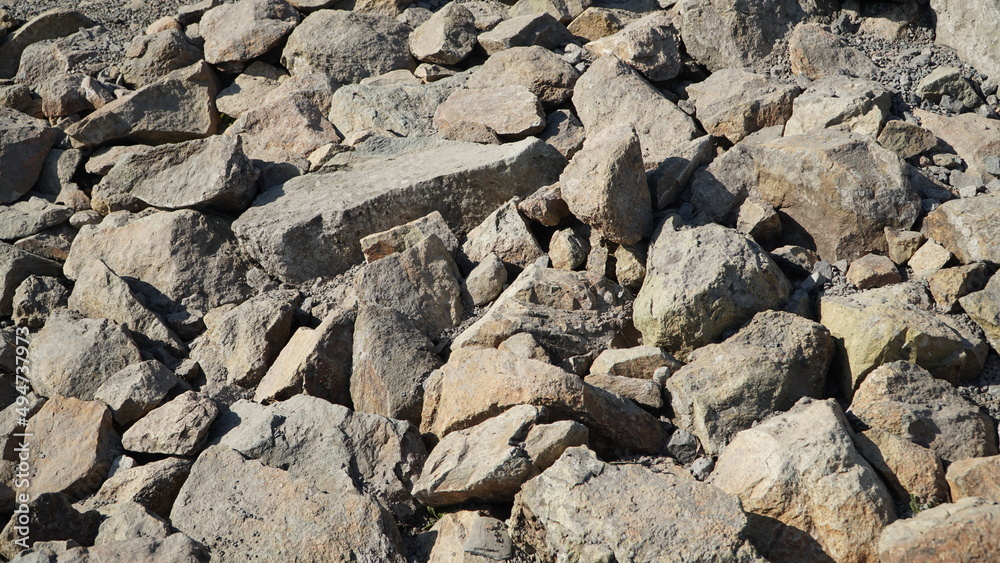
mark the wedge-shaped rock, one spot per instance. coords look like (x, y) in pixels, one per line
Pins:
(151, 57)
(734, 103)
(505, 234)
(445, 38)
(73, 356)
(536, 68)
(905, 399)
(338, 43)
(512, 112)
(16, 266)
(136, 390)
(477, 384)
(969, 30)
(766, 367)
(702, 282)
(240, 345)
(967, 228)
(961, 531)
(178, 427)
(139, 117)
(236, 33)
(984, 308)
(562, 10)
(808, 493)
(212, 173)
(78, 465)
(182, 257)
(975, 477)
(650, 45)
(523, 31)
(910, 471)
(840, 103)
(51, 24)
(403, 110)
(563, 514)
(36, 298)
(250, 87)
(154, 486)
(329, 446)
(25, 218)
(175, 547)
(24, 144)
(816, 53)
(277, 516)
(883, 325)
(568, 313)
(296, 236)
(404, 237)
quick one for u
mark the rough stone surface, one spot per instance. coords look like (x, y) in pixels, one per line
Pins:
(36, 298)
(506, 235)
(966, 228)
(151, 57)
(27, 217)
(24, 144)
(16, 265)
(153, 486)
(639, 362)
(136, 390)
(523, 31)
(816, 53)
(536, 68)
(909, 470)
(178, 427)
(975, 477)
(733, 103)
(872, 270)
(968, 30)
(445, 38)
(512, 112)
(235, 33)
(962, 531)
(906, 139)
(650, 45)
(840, 103)
(393, 110)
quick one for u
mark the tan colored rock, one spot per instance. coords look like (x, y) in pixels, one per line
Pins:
(522, 31)
(153, 56)
(650, 45)
(984, 309)
(562, 10)
(596, 22)
(966, 228)
(841, 103)
(975, 477)
(546, 205)
(733, 103)
(816, 53)
(962, 531)
(284, 129)
(536, 68)
(487, 280)
(971, 136)
(505, 234)
(815, 496)
(872, 270)
(950, 284)
(404, 237)
(639, 362)
(24, 144)
(929, 258)
(51, 24)
(446, 38)
(911, 471)
(513, 112)
(758, 220)
(453, 533)
(178, 427)
(153, 486)
(251, 86)
(905, 139)
(644, 392)
(134, 391)
(238, 32)
(903, 244)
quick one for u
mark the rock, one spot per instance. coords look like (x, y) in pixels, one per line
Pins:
(910, 471)
(404, 237)
(597, 22)
(73, 356)
(16, 265)
(962, 531)
(872, 270)
(285, 129)
(564, 132)
(770, 364)
(100, 293)
(487, 280)
(51, 24)
(524, 345)
(929, 258)
(490, 461)
(948, 81)
(392, 359)
(702, 282)
(99, 163)
(24, 143)
(800, 480)
(816, 53)
(177, 427)
(903, 244)
(644, 392)
(734, 103)
(612, 93)
(950, 284)
(254, 84)
(36, 298)
(758, 220)
(650, 45)
(505, 234)
(175, 547)
(522, 31)
(539, 303)
(840, 103)
(154, 486)
(240, 345)
(503, 380)
(562, 10)
(968, 30)
(138, 117)
(338, 43)
(182, 257)
(881, 325)
(236, 33)
(27, 217)
(275, 515)
(203, 173)
(975, 477)
(605, 185)
(639, 362)
(330, 447)
(445, 38)
(462, 181)
(718, 36)
(422, 283)
(905, 139)
(129, 521)
(314, 362)
(546, 205)
(984, 309)
(136, 390)
(567, 250)
(536, 68)
(973, 137)
(965, 228)
(392, 110)
(49, 516)
(512, 112)
(149, 58)
(467, 537)
(630, 265)
(672, 510)
(75, 466)
(906, 400)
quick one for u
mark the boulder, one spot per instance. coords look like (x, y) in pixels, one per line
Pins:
(890, 324)
(808, 493)
(638, 363)
(175, 547)
(568, 313)
(906, 139)
(984, 309)
(973, 137)
(563, 514)
(764, 368)
(910, 471)
(203, 173)
(816, 53)
(48, 517)
(153, 485)
(296, 237)
(445, 38)
(650, 45)
(138, 117)
(906, 400)
(536, 68)
(523, 31)
(177, 427)
(966, 229)
(605, 186)
(478, 384)
(701, 282)
(975, 477)
(149, 58)
(512, 112)
(37, 298)
(286, 128)
(505, 234)
(27, 217)
(949, 81)
(250, 87)
(16, 265)
(928, 259)
(644, 392)
(330, 447)
(961, 531)
(137, 389)
(338, 43)
(50, 24)
(872, 270)
(948, 285)
(236, 33)
(564, 132)
(969, 31)
(733, 103)
(486, 281)
(568, 250)
(403, 110)
(24, 144)
(274, 515)
(404, 237)
(840, 103)
(465, 537)
(596, 22)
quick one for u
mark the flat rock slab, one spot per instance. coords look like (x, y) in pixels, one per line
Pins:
(962, 531)
(25, 218)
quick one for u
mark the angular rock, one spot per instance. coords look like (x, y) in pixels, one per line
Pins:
(49, 518)
(903, 244)
(138, 117)
(872, 270)
(522, 31)
(702, 282)
(567, 250)
(175, 547)
(677, 514)
(973, 137)
(295, 237)
(16, 266)
(562, 10)
(236, 33)
(274, 515)
(338, 43)
(816, 53)
(503, 380)
(149, 58)
(446, 38)
(128, 521)
(505, 234)
(136, 390)
(487, 280)
(284, 129)
(840, 103)
(252, 85)
(969, 30)
(733, 103)
(36, 298)
(512, 112)
(178, 427)
(984, 309)
(392, 110)
(51, 24)
(154, 486)
(404, 237)
(906, 400)
(24, 143)
(881, 325)
(928, 259)
(53, 244)
(951, 284)
(975, 477)
(962, 531)
(948, 81)
(644, 392)
(597, 22)
(650, 45)
(910, 471)
(905, 139)
(27, 217)
(536, 68)
(966, 229)
(639, 362)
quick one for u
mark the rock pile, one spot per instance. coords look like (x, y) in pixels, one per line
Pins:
(497, 280)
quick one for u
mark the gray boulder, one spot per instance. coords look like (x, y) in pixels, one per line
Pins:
(238, 32)
(136, 390)
(149, 58)
(16, 265)
(24, 143)
(27, 217)
(177, 427)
